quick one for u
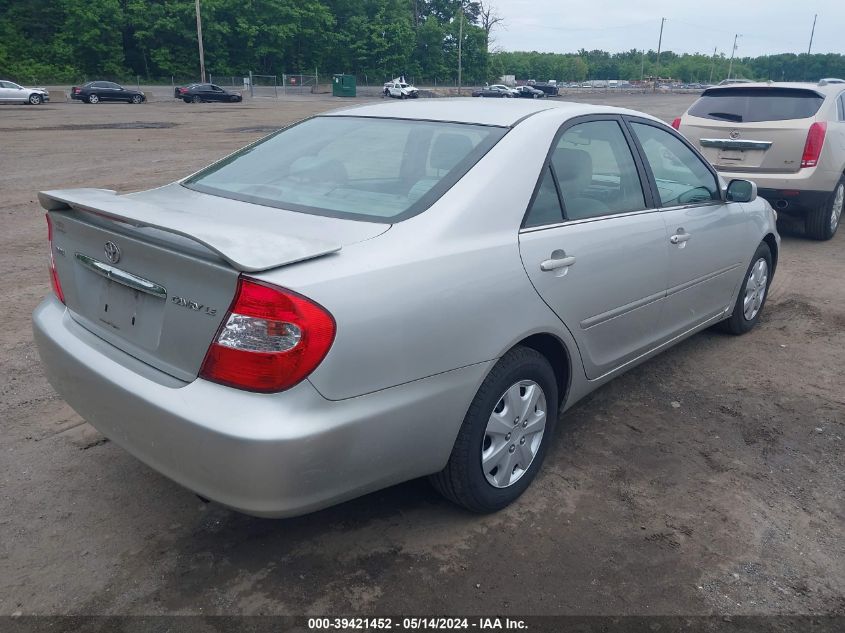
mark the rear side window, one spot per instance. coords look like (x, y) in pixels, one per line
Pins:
(381, 170)
(747, 105)
(596, 172)
(546, 206)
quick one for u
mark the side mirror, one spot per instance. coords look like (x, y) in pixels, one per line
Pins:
(741, 191)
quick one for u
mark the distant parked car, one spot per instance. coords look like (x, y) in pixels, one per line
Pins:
(787, 137)
(96, 91)
(496, 91)
(550, 89)
(202, 93)
(527, 92)
(10, 92)
(400, 90)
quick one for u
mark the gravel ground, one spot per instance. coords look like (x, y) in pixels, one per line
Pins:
(706, 481)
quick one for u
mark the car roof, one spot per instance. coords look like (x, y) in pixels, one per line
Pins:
(501, 112)
(825, 89)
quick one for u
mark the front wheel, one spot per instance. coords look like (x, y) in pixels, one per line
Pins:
(35, 99)
(821, 223)
(504, 436)
(136, 99)
(752, 294)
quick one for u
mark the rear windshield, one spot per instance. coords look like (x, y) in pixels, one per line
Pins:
(375, 169)
(746, 105)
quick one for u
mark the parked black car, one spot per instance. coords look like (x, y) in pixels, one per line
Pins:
(96, 91)
(527, 92)
(201, 93)
(550, 90)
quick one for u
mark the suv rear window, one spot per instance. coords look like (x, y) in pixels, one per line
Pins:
(381, 170)
(747, 105)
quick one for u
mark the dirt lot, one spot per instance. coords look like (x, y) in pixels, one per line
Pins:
(709, 480)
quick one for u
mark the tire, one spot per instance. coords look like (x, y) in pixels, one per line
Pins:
(35, 99)
(744, 318)
(465, 481)
(186, 100)
(136, 99)
(821, 223)
(234, 99)
(93, 99)
(401, 95)
(196, 99)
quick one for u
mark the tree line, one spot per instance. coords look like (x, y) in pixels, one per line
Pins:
(68, 40)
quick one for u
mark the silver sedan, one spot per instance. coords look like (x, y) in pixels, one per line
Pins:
(392, 291)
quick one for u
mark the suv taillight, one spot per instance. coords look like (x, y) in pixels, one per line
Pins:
(270, 340)
(813, 146)
(677, 123)
(54, 276)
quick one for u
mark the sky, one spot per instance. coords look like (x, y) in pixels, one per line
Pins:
(765, 26)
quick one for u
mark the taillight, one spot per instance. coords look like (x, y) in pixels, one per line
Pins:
(54, 276)
(270, 340)
(813, 146)
(677, 123)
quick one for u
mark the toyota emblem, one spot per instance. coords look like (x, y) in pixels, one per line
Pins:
(112, 252)
(734, 134)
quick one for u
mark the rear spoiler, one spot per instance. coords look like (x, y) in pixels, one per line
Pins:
(245, 247)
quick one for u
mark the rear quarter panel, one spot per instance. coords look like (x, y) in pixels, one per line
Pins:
(442, 290)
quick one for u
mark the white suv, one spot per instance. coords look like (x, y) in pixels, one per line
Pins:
(787, 137)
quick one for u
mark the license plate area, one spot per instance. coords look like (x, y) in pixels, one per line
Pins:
(133, 315)
(731, 155)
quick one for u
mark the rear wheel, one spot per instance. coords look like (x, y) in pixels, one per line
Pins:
(93, 99)
(821, 223)
(196, 99)
(35, 99)
(752, 294)
(504, 436)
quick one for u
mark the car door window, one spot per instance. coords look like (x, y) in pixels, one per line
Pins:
(681, 176)
(545, 209)
(596, 172)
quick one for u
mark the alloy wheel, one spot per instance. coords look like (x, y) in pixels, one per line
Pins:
(836, 209)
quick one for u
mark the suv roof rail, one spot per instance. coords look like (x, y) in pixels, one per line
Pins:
(831, 80)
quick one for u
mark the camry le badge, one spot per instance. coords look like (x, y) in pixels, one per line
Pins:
(112, 251)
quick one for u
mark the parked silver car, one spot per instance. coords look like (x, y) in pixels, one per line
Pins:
(391, 291)
(10, 92)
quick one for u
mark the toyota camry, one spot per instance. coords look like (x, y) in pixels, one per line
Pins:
(392, 291)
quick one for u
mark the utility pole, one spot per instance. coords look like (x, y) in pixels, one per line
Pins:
(460, 42)
(733, 51)
(712, 66)
(659, 44)
(199, 41)
(812, 33)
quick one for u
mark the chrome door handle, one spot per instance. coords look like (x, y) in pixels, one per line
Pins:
(555, 264)
(680, 238)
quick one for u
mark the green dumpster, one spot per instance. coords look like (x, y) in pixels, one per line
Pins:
(343, 86)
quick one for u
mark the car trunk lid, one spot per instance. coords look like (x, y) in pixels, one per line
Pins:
(154, 273)
(758, 128)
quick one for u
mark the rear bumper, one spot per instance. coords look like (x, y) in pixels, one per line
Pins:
(264, 454)
(795, 192)
(794, 201)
